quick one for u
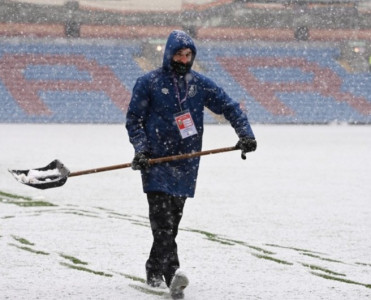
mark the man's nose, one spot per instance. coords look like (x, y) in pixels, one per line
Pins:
(183, 59)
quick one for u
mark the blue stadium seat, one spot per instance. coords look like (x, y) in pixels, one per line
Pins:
(292, 84)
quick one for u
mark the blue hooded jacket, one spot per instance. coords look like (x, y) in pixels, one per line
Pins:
(157, 97)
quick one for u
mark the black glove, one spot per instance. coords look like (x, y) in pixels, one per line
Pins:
(246, 145)
(140, 161)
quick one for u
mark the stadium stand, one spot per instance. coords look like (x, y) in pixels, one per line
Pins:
(47, 82)
(82, 82)
(287, 84)
(84, 73)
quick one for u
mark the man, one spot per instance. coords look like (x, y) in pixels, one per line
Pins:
(165, 118)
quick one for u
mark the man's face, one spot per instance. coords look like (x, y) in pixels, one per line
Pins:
(183, 56)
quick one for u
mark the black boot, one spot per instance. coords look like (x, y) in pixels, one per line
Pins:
(154, 279)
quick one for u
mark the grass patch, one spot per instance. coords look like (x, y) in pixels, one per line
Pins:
(25, 248)
(318, 268)
(74, 260)
(363, 264)
(322, 258)
(140, 224)
(132, 277)
(142, 217)
(80, 214)
(13, 196)
(292, 248)
(280, 261)
(147, 290)
(120, 215)
(211, 236)
(221, 241)
(251, 247)
(7, 198)
(23, 241)
(34, 203)
(260, 249)
(79, 268)
(340, 279)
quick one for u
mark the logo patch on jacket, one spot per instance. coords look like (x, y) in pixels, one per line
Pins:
(192, 90)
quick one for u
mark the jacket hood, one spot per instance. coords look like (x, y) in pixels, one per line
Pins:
(177, 40)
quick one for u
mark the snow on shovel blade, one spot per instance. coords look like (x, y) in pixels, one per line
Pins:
(53, 175)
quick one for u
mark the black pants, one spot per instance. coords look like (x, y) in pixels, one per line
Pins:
(165, 213)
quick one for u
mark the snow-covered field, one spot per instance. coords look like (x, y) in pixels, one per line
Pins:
(293, 221)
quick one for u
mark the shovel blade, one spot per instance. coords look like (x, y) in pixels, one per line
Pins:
(53, 175)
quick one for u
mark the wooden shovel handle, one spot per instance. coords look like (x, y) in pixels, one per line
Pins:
(155, 160)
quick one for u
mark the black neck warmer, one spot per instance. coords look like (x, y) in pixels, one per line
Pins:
(180, 68)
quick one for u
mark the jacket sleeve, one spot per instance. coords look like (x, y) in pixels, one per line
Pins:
(219, 102)
(136, 116)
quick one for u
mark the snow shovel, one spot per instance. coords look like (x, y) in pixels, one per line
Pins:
(55, 174)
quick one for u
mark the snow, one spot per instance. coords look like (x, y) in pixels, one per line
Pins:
(37, 176)
(22, 177)
(292, 221)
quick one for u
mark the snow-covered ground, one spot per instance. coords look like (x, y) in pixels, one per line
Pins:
(291, 222)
